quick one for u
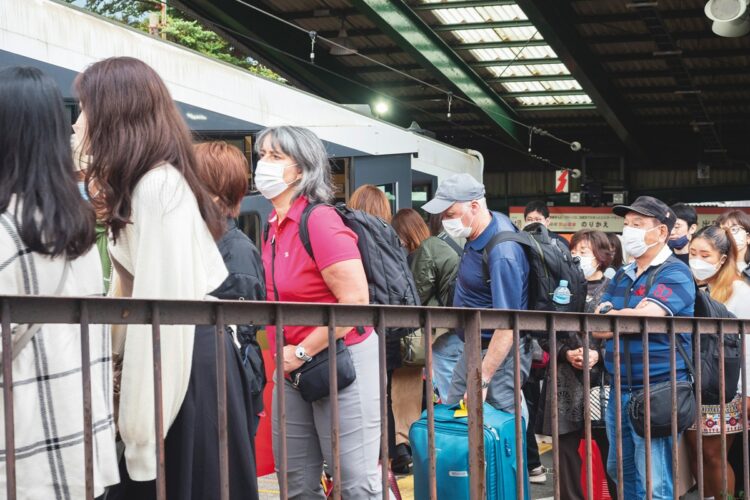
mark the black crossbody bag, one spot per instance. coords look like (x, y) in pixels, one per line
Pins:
(660, 394)
(312, 379)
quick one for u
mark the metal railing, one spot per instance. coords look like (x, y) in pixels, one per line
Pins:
(86, 311)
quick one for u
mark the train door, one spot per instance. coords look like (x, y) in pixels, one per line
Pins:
(391, 173)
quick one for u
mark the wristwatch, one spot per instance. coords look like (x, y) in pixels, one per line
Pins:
(485, 384)
(302, 354)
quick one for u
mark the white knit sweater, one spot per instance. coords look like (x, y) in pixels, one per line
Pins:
(171, 254)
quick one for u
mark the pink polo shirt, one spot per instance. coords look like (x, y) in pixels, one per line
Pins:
(297, 275)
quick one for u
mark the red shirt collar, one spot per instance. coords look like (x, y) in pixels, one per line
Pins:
(295, 211)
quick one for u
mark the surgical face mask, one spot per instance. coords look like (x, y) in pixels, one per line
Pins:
(455, 228)
(634, 240)
(703, 270)
(588, 265)
(679, 243)
(269, 179)
(740, 239)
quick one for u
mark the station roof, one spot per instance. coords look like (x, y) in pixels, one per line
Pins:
(645, 79)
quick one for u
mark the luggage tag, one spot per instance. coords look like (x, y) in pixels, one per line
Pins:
(461, 410)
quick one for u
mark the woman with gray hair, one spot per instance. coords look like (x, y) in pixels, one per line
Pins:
(293, 172)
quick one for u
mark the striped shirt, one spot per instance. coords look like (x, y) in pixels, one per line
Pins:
(673, 290)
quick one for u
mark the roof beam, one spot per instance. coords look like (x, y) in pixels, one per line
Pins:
(417, 38)
(401, 84)
(503, 44)
(460, 46)
(556, 23)
(488, 25)
(514, 62)
(461, 4)
(319, 14)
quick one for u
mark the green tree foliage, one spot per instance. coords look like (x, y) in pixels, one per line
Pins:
(179, 29)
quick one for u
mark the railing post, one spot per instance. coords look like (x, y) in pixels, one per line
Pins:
(88, 455)
(281, 464)
(10, 441)
(473, 346)
(745, 419)
(722, 414)
(554, 413)
(618, 409)
(647, 406)
(673, 380)
(698, 402)
(221, 399)
(432, 459)
(334, 402)
(161, 479)
(383, 403)
(517, 389)
(587, 406)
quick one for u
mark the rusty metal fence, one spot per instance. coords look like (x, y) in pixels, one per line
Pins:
(87, 311)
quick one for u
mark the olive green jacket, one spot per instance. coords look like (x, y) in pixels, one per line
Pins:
(434, 266)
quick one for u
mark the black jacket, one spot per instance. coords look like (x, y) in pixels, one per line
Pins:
(246, 281)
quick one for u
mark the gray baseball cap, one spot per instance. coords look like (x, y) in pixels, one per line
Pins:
(456, 188)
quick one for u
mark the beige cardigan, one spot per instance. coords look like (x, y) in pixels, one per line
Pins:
(170, 254)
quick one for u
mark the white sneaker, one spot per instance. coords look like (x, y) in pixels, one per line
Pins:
(538, 475)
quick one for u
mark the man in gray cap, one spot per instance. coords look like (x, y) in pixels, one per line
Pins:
(655, 284)
(460, 200)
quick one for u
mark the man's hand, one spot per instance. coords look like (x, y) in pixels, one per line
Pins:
(291, 361)
(484, 396)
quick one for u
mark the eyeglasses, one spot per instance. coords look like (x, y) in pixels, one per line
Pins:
(734, 228)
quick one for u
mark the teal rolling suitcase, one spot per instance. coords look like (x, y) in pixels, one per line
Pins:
(452, 452)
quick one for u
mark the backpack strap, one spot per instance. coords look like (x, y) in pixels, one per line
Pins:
(501, 237)
(451, 243)
(304, 232)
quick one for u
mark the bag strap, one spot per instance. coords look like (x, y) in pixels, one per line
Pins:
(24, 333)
(501, 237)
(304, 232)
(628, 365)
(452, 243)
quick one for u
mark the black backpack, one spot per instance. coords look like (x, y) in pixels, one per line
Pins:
(549, 262)
(706, 307)
(389, 278)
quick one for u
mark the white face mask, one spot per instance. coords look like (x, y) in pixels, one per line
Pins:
(703, 270)
(455, 228)
(588, 265)
(740, 239)
(634, 240)
(269, 178)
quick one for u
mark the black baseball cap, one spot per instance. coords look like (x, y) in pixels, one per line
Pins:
(649, 206)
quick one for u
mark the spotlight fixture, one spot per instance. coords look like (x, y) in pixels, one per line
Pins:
(730, 17)
(381, 108)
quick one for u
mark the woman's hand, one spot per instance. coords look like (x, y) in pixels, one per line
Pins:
(291, 361)
(575, 358)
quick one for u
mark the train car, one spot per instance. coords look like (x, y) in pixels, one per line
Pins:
(221, 101)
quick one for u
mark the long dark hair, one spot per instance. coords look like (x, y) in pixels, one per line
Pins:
(36, 165)
(133, 126)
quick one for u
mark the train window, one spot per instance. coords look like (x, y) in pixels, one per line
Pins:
(340, 177)
(250, 225)
(420, 194)
(390, 193)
